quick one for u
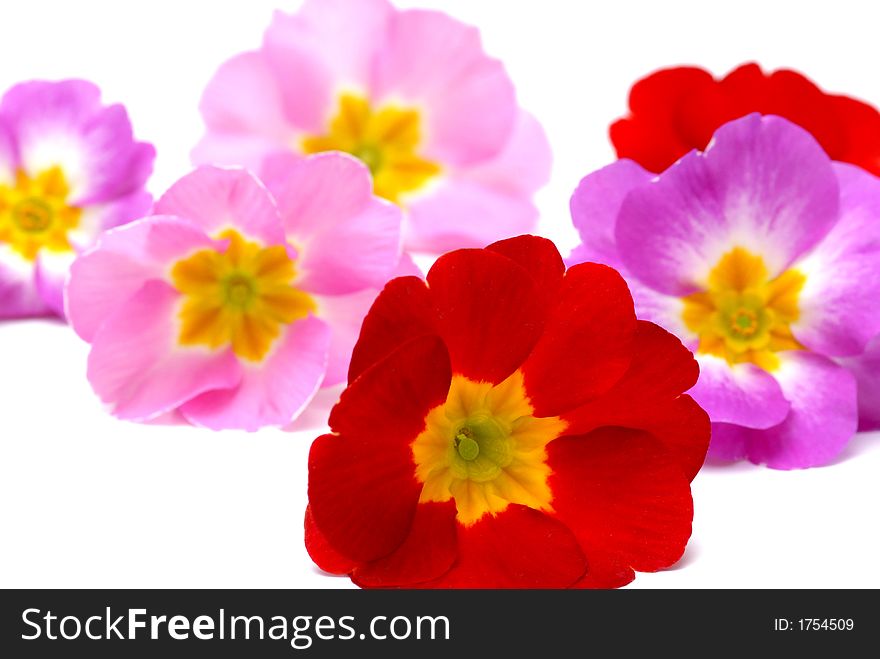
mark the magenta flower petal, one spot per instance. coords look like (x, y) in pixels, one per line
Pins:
(349, 239)
(839, 310)
(76, 159)
(117, 165)
(595, 206)
(63, 123)
(50, 275)
(136, 367)
(764, 184)
(866, 368)
(823, 416)
(19, 297)
(274, 393)
(217, 199)
(743, 394)
(8, 155)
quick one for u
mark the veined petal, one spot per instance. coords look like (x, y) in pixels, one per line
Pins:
(838, 307)
(742, 394)
(763, 184)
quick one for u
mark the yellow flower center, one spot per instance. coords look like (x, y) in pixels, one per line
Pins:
(35, 213)
(240, 298)
(385, 139)
(744, 316)
(484, 448)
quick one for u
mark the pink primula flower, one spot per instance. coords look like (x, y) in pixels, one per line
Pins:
(228, 306)
(69, 169)
(763, 256)
(410, 93)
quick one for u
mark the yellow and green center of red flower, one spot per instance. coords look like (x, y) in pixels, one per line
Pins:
(743, 315)
(485, 449)
(35, 213)
(240, 298)
(386, 139)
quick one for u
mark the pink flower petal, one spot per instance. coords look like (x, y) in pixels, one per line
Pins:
(343, 35)
(523, 165)
(274, 392)
(136, 366)
(216, 199)
(345, 315)
(347, 239)
(243, 98)
(439, 63)
(102, 280)
(463, 213)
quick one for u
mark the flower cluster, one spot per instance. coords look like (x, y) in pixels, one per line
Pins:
(507, 422)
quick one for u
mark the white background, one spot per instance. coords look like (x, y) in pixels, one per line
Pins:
(89, 501)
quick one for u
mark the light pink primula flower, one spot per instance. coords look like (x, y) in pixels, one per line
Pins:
(410, 93)
(229, 306)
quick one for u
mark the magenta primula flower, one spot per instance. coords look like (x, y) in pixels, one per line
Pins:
(763, 256)
(229, 307)
(410, 93)
(69, 169)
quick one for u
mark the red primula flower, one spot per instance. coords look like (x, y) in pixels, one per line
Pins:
(507, 424)
(675, 110)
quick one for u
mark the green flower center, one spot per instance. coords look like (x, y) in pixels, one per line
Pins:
(32, 215)
(240, 291)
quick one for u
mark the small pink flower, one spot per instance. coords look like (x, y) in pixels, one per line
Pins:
(410, 93)
(69, 169)
(228, 306)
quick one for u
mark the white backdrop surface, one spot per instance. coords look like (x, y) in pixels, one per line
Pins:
(89, 501)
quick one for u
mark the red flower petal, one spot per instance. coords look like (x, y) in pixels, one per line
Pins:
(362, 486)
(648, 136)
(587, 342)
(862, 125)
(624, 497)
(489, 312)
(402, 311)
(518, 548)
(675, 110)
(648, 397)
(320, 551)
(539, 257)
(427, 553)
